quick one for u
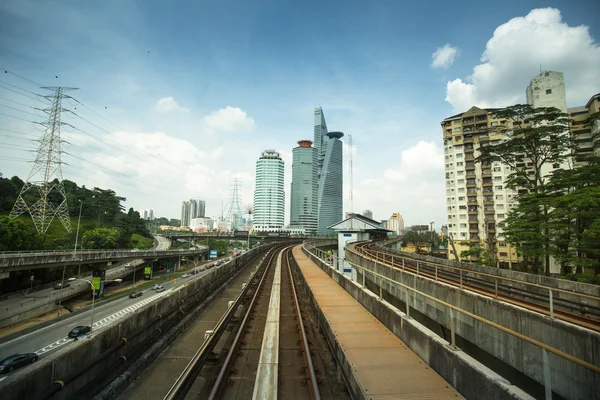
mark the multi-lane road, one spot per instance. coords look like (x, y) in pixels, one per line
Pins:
(52, 337)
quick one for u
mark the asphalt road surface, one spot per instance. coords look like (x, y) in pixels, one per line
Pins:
(52, 337)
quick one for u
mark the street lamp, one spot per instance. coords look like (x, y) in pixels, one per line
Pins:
(77, 235)
(93, 295)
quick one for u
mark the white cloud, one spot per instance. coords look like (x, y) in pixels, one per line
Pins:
(514, 55)
(444, 57)
(413, 186)
(228, 120)
(168, 104)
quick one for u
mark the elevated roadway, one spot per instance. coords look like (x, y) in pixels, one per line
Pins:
(19, 261)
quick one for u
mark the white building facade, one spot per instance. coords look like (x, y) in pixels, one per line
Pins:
(269, 195)
(396, 224)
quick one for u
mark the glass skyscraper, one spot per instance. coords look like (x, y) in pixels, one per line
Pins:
(330, 193)
(303, 199)
(269, 196)
(329, 173)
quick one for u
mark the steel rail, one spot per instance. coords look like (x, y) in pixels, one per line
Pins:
(314, 387)
(553, 312)
(518, 335)
(233, 349)
(185, 379)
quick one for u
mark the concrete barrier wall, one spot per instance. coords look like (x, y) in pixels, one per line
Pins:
(319, 243)
(593, 290)
(472, 379)
(568, 379)
(31, 382)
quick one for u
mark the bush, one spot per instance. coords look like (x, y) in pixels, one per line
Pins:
(583, 278)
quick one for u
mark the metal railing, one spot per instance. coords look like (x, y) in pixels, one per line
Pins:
(452, 309)
(462, 273)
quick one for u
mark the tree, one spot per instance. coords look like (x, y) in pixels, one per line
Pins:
(417, 239)
(16, 235)
(101, 238)
(477, 254)
(533, 139)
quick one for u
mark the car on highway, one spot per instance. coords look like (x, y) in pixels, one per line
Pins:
(185, 275)
(78, 331)
(128, 265)
(135, 294)
(59, 286)
(15, 361)
(155, 286)
(161, 289)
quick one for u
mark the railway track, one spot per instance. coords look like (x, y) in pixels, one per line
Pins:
(265, 338)
(580, 313)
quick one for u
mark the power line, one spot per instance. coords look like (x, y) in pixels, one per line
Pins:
(22, 94)
(13, 101)
(23, 89)
(12, 116)
(17, 109)
(19, 133)
(22, 77)
(16, 145)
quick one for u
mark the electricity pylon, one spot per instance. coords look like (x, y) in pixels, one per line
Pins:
(43, 194)
(234, 211)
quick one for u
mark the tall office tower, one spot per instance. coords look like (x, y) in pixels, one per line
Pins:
(396, 224)
(547, 90)
(185, 213)
(151, 214)
(368, 214)
(330, 191)
(303, 199)
(269, 196)
(320, 132)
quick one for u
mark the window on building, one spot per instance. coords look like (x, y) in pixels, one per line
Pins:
(461, 181)
(461, 198)
(498, 178)
(503, 254)
(500, 216)
(460, 190)
(494, 123)
(548, 91)
(499, 187)
(460, 172)
(463, 234)
(500, 206)
(463, 225)
(457, 129)
(499, 197)
(459, 164)
(502, 244)
(459, 155)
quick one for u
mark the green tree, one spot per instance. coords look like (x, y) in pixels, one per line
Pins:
(102, 238)
(15, 235)
(418, 239)
(477, 254)
(533, 139)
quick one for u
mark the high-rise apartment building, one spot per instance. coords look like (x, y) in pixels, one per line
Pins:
(147, 214)
(269, 196)
(191, 209)
(477, 198)
(303, 198)
(396, 224)
(585, 130)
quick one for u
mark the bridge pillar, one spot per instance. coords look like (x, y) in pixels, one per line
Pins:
(98, 278)
(177, 263)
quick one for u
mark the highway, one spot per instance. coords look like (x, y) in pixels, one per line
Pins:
(163, 243)
(17, 305)
(54, 336)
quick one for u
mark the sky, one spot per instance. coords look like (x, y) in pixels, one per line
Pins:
(176, 99)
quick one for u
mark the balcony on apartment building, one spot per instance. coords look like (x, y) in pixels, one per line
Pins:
(469, 165)
(486, 173)
(488, 200)
(468, 138)
(471, 183)
(472, 210)
(487, 182)
(472, 201)
(474, 237)
(491, 228)
(470, 156)
(488, 209)
(473, 228)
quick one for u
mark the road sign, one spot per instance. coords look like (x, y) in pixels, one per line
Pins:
(31, 277)
(213, 254)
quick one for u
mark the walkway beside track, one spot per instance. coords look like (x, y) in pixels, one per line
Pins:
(382, 364)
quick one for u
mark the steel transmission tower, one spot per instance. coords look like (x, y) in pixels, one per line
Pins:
(234, 209)
(43, 194)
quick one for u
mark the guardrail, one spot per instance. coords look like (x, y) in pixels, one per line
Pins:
(452, 309)
(380, 257)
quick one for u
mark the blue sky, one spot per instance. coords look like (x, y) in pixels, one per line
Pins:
(240, 77)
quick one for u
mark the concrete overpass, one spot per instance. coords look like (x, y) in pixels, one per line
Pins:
(19, 261)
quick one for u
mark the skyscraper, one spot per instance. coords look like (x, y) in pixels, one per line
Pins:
(303, 199)
(329, 172)
(330, 183)
(193, 208)
(269, 196)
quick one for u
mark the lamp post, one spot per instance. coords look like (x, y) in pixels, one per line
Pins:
(77, 235)
(94, 296)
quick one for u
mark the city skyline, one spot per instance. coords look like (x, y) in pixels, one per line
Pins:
(153, 132)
